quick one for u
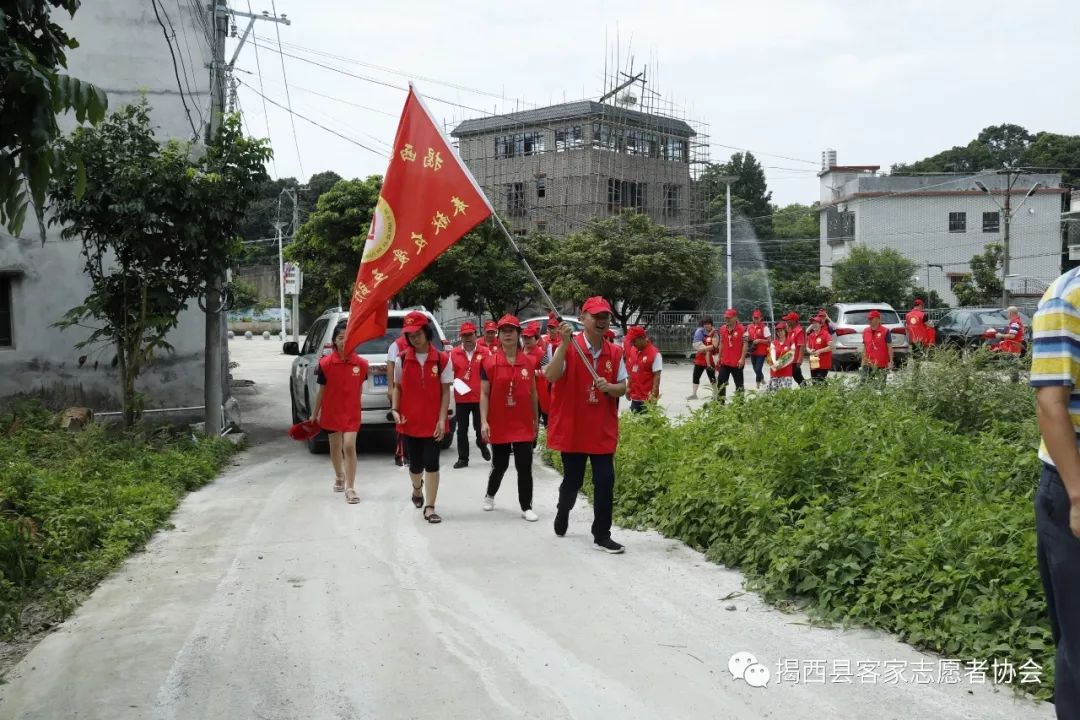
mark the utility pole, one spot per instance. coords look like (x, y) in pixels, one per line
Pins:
(727, 180)
(1007, 211)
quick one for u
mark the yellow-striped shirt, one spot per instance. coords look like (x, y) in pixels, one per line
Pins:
(1055, 354)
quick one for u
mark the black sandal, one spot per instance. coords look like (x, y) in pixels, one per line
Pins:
(433, 518)
(418, 500)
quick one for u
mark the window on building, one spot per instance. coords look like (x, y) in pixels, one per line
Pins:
(7, 336)
(675, 149)
(606, 137)
(991, 222)
(541, 188)
(955, 278)
(541, 225)
(957, 222)
(519, 145)
(614, 195)
(626, 194)
(671, 199)
(568, 139)
(532, 143)
(515, 199)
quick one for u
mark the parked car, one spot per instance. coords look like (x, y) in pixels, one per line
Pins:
(850, 319)
(374, 402)
(965, 329)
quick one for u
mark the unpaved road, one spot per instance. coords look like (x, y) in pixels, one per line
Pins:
(272, 598)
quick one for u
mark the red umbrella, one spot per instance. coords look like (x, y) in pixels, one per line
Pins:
(304, 430)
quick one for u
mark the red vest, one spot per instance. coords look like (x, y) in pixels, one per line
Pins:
(341, 399)
(510, 423)
(639, 366)
(468, 372)
(778, 349)
(916, 327)
(877, 346)
(1013, 346)
(817, 341)
(576, 425)
(731, 342)
(712, 348)
(798, 339)
(756, 331)
(421, 392)
(543, 390)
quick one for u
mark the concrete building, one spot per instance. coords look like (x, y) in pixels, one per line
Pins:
(122, 50)
(941, 221)
(555, 168)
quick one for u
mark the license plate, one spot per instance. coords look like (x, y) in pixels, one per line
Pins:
(379, 380)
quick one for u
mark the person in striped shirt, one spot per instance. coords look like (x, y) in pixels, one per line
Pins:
(1055, 375)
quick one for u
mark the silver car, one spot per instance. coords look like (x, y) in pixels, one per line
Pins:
(374, 403)
(850, 319)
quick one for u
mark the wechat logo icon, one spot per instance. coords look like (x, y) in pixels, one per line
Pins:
(744, 666)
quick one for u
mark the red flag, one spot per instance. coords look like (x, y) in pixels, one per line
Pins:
(429, 199)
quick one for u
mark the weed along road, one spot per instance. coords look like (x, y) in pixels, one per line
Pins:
(273, 598)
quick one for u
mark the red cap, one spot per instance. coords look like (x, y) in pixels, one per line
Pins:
(552, 317)
(414, 321)
(532, 330)
(635, 332)
(466, 328)
(595, 304)
(609, 334)
(755, 314)
(490, 326)
(793, 317)
(918, 302)
(506, 321)
(731, 312)
(304, 430)
(874, 314)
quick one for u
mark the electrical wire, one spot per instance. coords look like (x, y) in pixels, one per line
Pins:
(176, 69)
(288, 95)
(266, 112)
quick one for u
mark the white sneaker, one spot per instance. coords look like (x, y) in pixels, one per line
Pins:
(489, 503)
(530, 515)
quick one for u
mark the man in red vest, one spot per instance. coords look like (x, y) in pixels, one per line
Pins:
(551, 340)
(917, 331)
(584, 421)
(530, 338)
(490, 341)
(877, 347)
(759, 337)
(1012, 340)
(798, 339)
(644, 363)
(467, 359)
(733, 346)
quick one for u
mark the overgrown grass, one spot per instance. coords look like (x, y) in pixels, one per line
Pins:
(908, 510)
(73, 506)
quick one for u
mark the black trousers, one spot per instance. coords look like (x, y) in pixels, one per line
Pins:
(423, 454)
(1059, 567)
(797, 374)
(603, 477)
(758, 361)
(464, 410)
(818, 376)
(733, 372)
(637, 406)
(500, 461)
(698, 369)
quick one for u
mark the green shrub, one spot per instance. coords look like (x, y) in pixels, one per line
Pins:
(908, 510)
(73, 506)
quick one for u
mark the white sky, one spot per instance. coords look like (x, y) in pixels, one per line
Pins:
(881, 82)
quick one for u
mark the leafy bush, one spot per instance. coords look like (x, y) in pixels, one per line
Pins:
(73, 506)
(908, 510)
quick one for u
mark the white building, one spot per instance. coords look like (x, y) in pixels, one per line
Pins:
(941, 221)
(122, 50)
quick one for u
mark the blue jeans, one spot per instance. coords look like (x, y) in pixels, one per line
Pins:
(758, 362)
(1059, 567)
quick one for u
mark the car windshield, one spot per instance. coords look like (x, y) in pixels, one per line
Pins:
(861, 317)
(991, 317)
(379, 346)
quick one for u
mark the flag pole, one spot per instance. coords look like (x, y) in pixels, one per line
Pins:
(547, 298)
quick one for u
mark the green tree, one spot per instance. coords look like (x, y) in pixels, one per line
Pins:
(32, 92)
(983, 285)
(633, 262)
(801, 291)
(271, 206)
(750, 196)
(1054, 152)
(793, 253)
(154, 226)
(867, 275)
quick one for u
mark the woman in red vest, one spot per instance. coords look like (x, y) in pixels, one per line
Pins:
(530, 336)
(781, 359)
(466, 359)
(819, 347)
(341, 376)
(757, 332)
(421, 399)
(707, 344)
(509, 412)
(587, 382)
(644, 364)
(877, 347)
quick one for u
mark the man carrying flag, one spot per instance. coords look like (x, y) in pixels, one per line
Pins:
(428, 201)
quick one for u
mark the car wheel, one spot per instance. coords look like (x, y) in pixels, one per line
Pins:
(292, 403)
(320, 444)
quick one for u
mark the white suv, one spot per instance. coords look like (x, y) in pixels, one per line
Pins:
(374, 401)
(850, 319)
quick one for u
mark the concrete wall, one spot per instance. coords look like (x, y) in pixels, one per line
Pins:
(123, 51)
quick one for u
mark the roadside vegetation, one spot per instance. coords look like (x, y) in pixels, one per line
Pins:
(74, 505)
(908, 510)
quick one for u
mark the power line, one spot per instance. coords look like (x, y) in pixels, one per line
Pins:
(288, 96)
(176, 69)
(266, 112)
(316, 124)
(330, 97)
